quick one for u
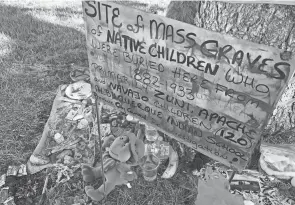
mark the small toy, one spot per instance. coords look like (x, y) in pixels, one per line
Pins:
(121, 154)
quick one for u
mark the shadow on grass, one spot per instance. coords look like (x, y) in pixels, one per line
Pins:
(30, 46)
(26, 94)
(37, 41)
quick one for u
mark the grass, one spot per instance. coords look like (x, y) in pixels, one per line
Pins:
(166, 192)
(38, 57)
(41, 42)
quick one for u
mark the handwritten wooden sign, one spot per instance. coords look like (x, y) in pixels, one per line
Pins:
(283, 2)
(210, 91)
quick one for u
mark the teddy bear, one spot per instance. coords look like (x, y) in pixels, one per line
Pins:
(120, 155)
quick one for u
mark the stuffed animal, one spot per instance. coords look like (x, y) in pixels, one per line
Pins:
(120, 155)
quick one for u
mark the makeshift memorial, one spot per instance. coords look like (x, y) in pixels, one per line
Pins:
(67, 138)
(120, 155)
(149, 165)
(210, 91)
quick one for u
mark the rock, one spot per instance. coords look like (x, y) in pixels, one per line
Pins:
(130, 118)
(68, 160)
(293, 182)
(278, 160)
(246, 202)
(39, 160)
(59, 138)
(64, 153)
(82, 124)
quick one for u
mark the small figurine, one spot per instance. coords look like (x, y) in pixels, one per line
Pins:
(121, 154)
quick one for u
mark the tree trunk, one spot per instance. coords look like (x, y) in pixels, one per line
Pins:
(268, 24)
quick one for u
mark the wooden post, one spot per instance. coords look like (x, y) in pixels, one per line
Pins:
(232, 176)
(98, 112)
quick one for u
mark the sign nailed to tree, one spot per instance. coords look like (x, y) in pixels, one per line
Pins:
(210, 91)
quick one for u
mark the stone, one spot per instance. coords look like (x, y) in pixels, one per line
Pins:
(247, 202)
(2, 180)
(59, 138)
(278, 160)
(82, 124)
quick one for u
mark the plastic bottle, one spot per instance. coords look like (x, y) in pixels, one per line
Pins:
(151, 135)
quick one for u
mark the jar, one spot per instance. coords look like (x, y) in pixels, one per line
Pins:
(163, 150)
(151, 133)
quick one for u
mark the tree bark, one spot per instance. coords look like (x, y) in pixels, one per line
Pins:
(268, 24)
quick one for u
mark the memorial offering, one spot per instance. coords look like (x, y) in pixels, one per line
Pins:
(210, 91)
(149, 165)
(119, 156)
(67, 139)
